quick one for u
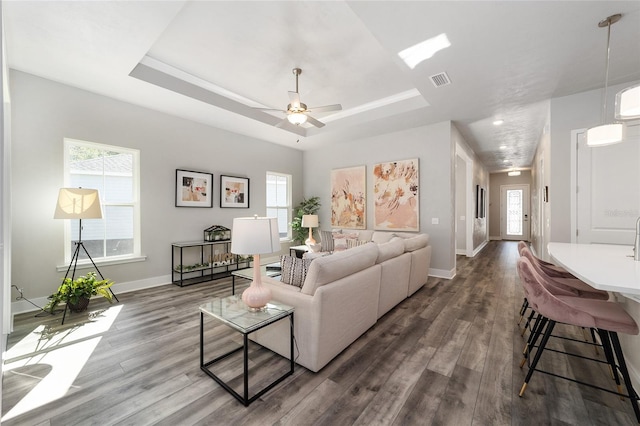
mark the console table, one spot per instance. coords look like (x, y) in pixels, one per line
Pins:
(207, 266)
(232, 312)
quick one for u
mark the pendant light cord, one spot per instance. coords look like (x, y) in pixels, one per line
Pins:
(606, 75)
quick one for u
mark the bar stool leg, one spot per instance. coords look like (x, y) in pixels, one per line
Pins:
(608, 353)
(536, 357)
(538, 326)
(633, 396)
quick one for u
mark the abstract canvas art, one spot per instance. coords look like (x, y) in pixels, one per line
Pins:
(396, 195)
(348, 198)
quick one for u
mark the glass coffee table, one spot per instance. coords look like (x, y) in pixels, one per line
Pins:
(247, 273)
(232, 312)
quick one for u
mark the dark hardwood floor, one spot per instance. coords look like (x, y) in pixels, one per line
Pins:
(447, 355)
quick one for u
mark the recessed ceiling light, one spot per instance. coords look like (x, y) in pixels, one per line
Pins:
(417, 53)
(498, 122)
(503, 147)
(505, 161)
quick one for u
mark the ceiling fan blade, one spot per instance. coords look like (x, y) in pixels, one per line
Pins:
(282, 123)
(315, 122)
(294, 97)
(271, 109)
(325, 108)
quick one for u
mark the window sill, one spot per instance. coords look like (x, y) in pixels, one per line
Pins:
(86, 264)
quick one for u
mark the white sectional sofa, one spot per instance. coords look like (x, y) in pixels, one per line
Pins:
(345, 293)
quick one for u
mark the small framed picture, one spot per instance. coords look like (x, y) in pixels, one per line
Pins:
(194, 189)
(234, 192)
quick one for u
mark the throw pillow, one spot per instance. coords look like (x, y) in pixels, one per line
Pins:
(326, 240)
(294, 270)
(339, 241)
(351, 243)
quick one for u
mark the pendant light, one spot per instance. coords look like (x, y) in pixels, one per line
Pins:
(628, 103)
(606, 134)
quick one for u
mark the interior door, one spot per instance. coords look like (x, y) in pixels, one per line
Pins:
(514, 212)
(608, 190)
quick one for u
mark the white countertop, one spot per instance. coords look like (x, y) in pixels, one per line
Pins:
(603, 266)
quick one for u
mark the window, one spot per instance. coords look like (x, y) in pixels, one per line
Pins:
(114, 172)
(279, 201)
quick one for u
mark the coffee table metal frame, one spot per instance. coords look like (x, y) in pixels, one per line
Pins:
(245, 322)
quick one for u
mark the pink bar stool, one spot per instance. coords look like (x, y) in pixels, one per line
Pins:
(608, 318)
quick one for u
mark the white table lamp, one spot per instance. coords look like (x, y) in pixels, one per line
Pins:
(310, 221)
(255, 236)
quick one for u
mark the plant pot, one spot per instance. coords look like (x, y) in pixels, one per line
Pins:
(81, 306)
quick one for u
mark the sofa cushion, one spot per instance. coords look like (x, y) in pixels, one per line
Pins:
(390, 249)
(382, 237)
(326, 240)
(331, 268)
(416, 242)
(294, 270)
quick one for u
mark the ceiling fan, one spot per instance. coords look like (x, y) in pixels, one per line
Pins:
(297, 112)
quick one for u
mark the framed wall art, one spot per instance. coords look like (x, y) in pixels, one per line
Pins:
(477, 201)
(348, 198)
(194, 189)
(396, 186)
(234, 192)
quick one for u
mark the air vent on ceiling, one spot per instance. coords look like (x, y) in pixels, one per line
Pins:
(441, 79)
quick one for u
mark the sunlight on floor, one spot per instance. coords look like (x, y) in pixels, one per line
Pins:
(65, 348)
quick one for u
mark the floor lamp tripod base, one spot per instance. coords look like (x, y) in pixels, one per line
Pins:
(74, 263)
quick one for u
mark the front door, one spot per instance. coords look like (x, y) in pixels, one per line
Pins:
(514, 212)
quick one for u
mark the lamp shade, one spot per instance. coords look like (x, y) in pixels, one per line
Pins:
(255, 235)
(606, 134)
(628, 103)
(297, 118)
(78, 203)
(310, 221)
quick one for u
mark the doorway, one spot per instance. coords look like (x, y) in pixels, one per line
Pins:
(514, 212)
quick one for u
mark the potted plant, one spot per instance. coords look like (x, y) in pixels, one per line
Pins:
(76, 293)
(306, 206)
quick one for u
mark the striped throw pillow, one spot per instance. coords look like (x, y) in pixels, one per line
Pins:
(294, 270)
(326, 240)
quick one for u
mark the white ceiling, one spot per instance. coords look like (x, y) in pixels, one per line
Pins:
(215, 61)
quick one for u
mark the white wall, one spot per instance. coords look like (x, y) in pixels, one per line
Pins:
(435, 150)
(44, 113)
(540, 209)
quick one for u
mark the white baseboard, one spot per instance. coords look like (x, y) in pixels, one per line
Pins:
(494, 238)
(480, 247)
(22, 306)
(442, 273)
(461, 252)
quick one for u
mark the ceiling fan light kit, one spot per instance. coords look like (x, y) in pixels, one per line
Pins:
(606, 134)
(298, 113)
(297, 118)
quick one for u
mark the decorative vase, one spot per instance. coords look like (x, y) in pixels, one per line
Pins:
(81, 306)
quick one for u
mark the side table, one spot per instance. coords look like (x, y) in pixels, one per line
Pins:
(232, 312)
(298, 251)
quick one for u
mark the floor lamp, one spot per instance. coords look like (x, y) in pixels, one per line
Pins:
(79, 203)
